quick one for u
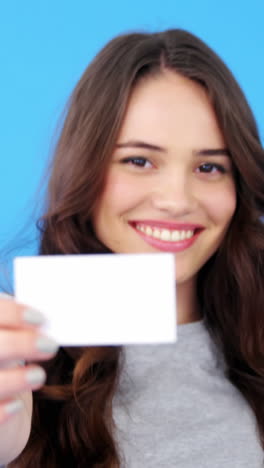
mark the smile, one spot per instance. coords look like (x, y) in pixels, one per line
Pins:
(165, 237)
(165, 234)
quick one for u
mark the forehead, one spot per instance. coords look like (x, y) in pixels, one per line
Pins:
(172, 109)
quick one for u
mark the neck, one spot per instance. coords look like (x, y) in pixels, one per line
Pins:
(187, 303)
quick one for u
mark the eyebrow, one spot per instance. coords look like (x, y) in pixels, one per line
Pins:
(149, 146)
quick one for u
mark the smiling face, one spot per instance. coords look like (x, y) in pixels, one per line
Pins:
(170, 184)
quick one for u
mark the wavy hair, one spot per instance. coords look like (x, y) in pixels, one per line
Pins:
(72, 416)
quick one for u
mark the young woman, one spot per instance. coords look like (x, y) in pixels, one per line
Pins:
(159, 152)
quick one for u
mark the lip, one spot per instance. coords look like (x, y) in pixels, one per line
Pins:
(168, 246)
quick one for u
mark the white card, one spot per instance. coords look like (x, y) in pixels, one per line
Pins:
(101, 299)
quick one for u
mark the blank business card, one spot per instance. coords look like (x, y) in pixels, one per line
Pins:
(101, 299)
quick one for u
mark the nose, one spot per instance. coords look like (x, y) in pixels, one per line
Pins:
(174, 195)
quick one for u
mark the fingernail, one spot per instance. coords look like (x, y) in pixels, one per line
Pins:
(36, 376)
(5, 296)
(46, 345)
(13, 407)
(32, 316)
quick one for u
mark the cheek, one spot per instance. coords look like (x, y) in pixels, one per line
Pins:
(221, 204)
(120, 193)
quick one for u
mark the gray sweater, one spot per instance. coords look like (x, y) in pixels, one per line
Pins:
(175, 408)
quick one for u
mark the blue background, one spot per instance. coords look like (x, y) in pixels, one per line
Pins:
(44, 48)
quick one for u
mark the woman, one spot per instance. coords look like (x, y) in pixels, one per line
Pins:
(159, 152)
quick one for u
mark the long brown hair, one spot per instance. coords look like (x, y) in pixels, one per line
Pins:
(72, 424)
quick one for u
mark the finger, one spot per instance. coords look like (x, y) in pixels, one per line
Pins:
(14, 315)
(8, 408)
(13, 381)
(25, 345)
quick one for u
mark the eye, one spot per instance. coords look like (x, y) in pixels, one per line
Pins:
(137, 161)
(211, 168)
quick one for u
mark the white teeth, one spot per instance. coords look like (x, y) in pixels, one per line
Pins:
(148, 231)
(183, 235)
(175, 236)
(165, 234)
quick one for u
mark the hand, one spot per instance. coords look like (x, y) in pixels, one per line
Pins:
(20, 341)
